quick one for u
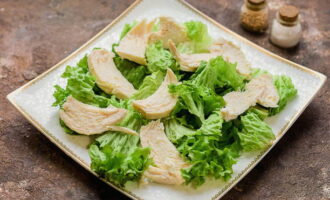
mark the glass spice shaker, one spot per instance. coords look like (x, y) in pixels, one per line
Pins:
(254, 15)
(286, 28)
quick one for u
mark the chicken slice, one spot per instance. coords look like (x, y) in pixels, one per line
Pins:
(238, 102)
(161, 103)
(134, 44)
(87, 119)
(108, 77)
(123, 130)
(269, 97)
(190, 62)
(169, 30)
(167, 160)
(259, 90)
(232, 53)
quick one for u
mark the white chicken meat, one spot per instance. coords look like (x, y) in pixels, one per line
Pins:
(108, 77)
(166, 157)
(260, 89)
(135, 42)
(161, 103)
(88, 120)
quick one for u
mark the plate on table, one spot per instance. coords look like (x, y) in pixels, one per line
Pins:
(35, 98)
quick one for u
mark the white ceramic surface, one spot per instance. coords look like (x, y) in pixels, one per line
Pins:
(35, 98)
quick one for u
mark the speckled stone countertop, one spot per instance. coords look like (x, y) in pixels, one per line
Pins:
(36, 34)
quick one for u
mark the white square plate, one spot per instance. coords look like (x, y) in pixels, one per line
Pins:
(34, 99)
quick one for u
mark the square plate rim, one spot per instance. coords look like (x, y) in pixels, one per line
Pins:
(322, 78)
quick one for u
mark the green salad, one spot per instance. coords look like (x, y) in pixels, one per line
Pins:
(203, 92)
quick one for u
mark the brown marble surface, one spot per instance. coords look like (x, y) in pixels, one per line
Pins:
(36, 34)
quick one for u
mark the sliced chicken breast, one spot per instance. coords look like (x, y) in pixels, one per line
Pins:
(123, 130)
(134, 44)
(169, 30)
(232, 53)
(167, 160)
(190, 62)
(108, 77)
(161, 103)
(88, 120)
(259, 90)
(269, 97)
(238, 102)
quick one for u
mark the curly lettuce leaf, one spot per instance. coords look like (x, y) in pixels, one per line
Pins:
(206, 75)
(198, 34)
(218, 75)
(60, 95)
(133, 72)
(226, 73)
(213, 125)
(197, 98)
(286, 91)
(149, 85)
(159, 58)
(262, 113)
(189, 98)
(81, 85)
(133, 119)
(175, 130)
(118, 157)
(256, 134)
(207, 157)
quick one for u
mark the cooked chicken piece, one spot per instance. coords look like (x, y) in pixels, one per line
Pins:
(164, 154)
(232, 53)
(122, 129)
(190, 62)
(269, 96)
(134, 44)
(238, 102)
(259, 90)
(161, 103)
(169, 30)
(87, 119)
(108, 77)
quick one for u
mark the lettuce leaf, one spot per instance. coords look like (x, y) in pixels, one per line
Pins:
(198, 94)
(207, 157)
(67, 129)
(213, 125)
(226, 73)
(175, 130)
(198, 34)
(159, 58)
(197, 99)
(126, 29)
(286, 91)
(256, 134)
(81, 85)
(218, 74)
(60, 96)
(149, 85)
(133, 72)
(262, 113)
(118, 157)
(189, 98)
